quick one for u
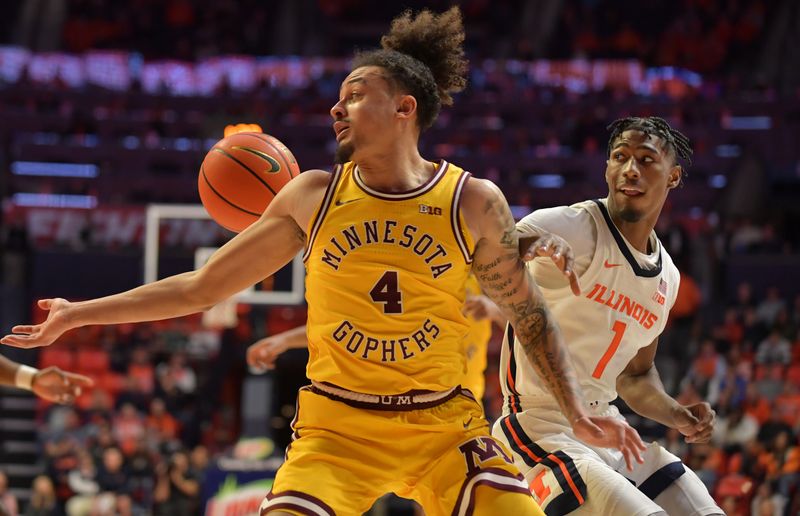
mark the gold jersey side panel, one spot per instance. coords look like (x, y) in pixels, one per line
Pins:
(476, 345)
(385, 285)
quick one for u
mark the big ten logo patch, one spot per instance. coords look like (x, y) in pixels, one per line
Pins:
(481, 450)
(429, 210)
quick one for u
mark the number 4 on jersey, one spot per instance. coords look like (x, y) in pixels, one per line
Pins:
(387, 291)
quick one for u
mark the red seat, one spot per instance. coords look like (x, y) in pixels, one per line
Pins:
(60, 357)
(92, 360)
(793, 375)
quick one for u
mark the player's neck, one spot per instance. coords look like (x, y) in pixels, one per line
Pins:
(637, 233)
(396, 170)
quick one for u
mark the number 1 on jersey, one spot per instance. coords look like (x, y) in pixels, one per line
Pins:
(619, 330)
(387, 291)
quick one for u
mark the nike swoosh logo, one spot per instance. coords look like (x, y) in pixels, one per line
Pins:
(339, 202)
(466, 425)
(610, 265)
(274, 166)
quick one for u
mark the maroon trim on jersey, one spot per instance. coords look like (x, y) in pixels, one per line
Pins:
(323, 209)
(395, 402)
(455, 220)
(322, 506)
(464, 495)
(402, 196)
(295, 433)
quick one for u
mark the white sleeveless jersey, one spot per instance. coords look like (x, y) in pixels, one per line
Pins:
(623, 308)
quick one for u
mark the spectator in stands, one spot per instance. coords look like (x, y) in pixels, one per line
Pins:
(83, 483)
(774, 349)
(43, 498)
(111, 477)
(766, 502)
(199, 463)
(768, 309)
(182, 375)
(177, 490)
(707, 365)
(735, 429)
(128, 426)
(160, 422)
(141, 371)
(8, 502)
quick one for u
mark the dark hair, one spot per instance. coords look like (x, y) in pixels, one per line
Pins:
(425, 57)
(674, 140)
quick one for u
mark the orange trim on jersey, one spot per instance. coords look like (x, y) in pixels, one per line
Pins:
(552, 457)
(510, 379)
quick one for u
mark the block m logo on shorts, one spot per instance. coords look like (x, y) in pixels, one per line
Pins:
(480, 450)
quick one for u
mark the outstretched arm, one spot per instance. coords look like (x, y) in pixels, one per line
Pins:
(262, 354)
(639, 385)
(252, 255)
(505, 279)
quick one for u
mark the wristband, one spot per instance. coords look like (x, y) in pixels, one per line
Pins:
(23, 378)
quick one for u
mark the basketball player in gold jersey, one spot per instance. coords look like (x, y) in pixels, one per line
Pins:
(51, 384)
(389, 240)
(262, 354)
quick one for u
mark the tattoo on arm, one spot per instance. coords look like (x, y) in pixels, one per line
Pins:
(505, 279)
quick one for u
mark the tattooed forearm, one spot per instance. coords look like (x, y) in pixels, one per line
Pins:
(505, 279)
(541, 339)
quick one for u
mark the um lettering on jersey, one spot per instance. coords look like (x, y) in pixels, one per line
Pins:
(375, 347)
(621, 303)
(371, 232)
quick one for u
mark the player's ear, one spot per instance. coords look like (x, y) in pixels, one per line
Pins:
(406, 106)
(675, 175)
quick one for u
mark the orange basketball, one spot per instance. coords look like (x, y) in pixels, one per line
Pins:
(241, 174)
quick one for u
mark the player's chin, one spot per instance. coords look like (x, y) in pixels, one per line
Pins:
(344, 152)
(631, 209)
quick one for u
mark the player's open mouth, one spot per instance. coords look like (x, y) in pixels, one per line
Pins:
(339, 127)
(631, 192)
(340, 133)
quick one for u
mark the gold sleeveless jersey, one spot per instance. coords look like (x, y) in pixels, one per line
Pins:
(385, 285)
(476, 345)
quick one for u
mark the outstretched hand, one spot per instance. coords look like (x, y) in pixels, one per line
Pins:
(557, 249)
(263, 353)
(59, 386)
(609, 432)
(44, 334)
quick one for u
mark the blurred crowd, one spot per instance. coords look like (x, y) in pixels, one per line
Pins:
(697, 34)
(746, 363)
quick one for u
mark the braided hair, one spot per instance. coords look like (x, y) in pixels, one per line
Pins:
(674, 140)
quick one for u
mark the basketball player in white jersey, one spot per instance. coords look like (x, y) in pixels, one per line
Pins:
(628, 285)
